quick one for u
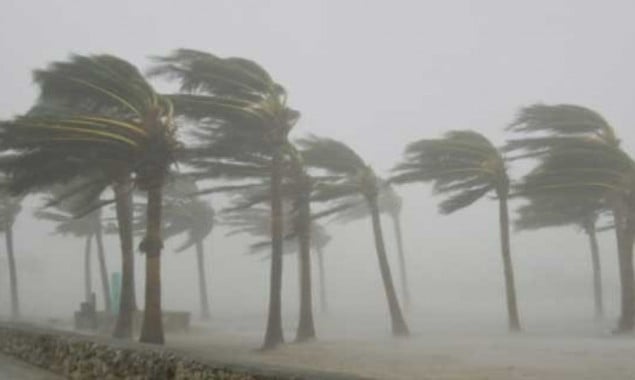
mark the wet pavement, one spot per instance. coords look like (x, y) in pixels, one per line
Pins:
(13, 369)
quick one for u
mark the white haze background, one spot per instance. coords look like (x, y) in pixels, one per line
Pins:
(377, 75)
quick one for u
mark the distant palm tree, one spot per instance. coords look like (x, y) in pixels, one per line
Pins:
(9, 208)
(194, 217)
(243, 118)
(88, 227)
(319, 240)
(347, 178)
(570, 210)
(466, 166)
(389, 203)
(94, 111)
(577, 151)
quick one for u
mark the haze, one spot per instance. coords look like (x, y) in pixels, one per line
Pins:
(376, 75)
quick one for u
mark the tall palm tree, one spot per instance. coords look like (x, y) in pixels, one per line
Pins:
(465, 166)
(99, 110)
(389, 203)
(300, 188)
(10, 207)
(296, 189)
(242, 117)
(555, 211)
(578, 151)
(349, 178)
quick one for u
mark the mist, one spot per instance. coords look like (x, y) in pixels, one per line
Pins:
(376, 75)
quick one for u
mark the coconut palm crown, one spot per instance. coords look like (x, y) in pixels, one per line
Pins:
(464, 166)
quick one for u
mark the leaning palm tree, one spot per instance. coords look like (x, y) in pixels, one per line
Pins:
(465, 166)
(577, 150)
(242, 118)
(347, 179)
(390, 203)
(10, 206)
(98, 113)
(555, 211)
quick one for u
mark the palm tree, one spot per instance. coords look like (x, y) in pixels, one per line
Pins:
(88, 227)
(9, 208)
(245, 217)
(555, 211)
(184, 214)
(349, 177)
(243, 118)
(300, 187)
(389, 203)
(466, 166)
(578, 151)
(96, 111)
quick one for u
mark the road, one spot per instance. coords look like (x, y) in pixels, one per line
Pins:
(13, 369)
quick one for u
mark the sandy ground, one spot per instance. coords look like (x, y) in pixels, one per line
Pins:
(579, 352)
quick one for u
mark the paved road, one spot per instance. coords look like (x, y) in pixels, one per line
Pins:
(12, 369)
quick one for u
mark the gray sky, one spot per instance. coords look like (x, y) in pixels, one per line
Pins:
(376, 74)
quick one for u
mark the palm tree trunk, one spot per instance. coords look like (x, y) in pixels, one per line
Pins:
(88, 276)
(402, 260)
(597, 273)
(133, 292)
(624, 236)
(274, 335)
(399, 327)
(152, 329)
(510, 288)
(103, 271)
(202, 281)
(323, 303)
(306, 327)
(123, 204)
(13, 274)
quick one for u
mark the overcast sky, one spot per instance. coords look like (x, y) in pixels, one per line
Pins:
(377, 75)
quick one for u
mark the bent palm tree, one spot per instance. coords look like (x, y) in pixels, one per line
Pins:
(348, 178)
(555, 211)
(390, 203)
(243, 118)
(466, 166)
(578, 151)
(95, 111)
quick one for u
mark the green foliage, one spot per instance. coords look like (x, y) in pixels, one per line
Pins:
(576, 149)
(346, 177)
(74, 206)
(463, 165)
(93, 113)
(555, 211)
(240, 111)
